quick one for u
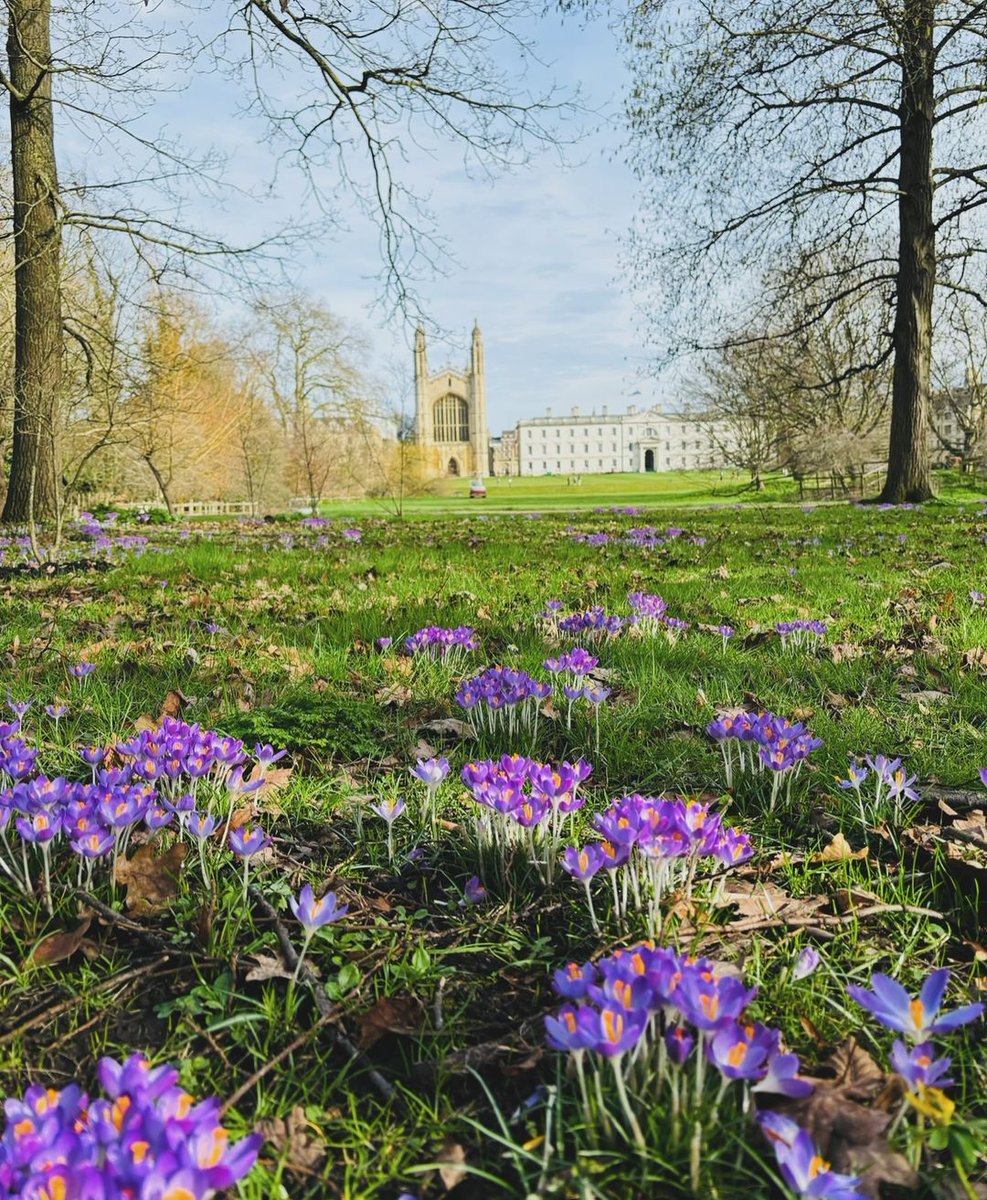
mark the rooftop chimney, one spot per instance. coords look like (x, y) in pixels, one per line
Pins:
(575, 410)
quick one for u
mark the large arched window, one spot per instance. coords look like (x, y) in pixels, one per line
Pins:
(451, 419)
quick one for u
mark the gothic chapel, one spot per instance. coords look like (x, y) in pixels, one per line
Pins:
(451, 411)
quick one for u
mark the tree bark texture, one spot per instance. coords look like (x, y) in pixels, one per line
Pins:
(909, 477)
(33, 485)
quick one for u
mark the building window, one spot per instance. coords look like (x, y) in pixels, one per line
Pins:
(451, 419)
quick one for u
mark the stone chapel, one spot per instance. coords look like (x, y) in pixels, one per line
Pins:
(451, 412)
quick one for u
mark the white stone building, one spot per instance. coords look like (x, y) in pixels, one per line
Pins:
(604, 442)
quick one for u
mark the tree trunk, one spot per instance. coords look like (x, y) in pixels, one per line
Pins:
(909, 477)
(162, 486)
(32, 490)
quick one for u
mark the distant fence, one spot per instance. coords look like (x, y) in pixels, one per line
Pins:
(833, 486)
(184, 508)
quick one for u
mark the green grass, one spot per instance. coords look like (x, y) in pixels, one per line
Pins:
(296, 664)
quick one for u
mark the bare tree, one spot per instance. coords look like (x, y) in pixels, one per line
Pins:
(311, 364)
(732, 400)
(840, 129)
(958, 414)
(367, 81)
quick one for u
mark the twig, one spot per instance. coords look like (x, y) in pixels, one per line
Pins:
(132, 927)
(103, 986)
(322, 1001)
(250, 1083)
(820, 920)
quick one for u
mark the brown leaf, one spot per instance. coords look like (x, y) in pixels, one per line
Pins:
(396, 694)
(842, 1113)
(275, 778)
(454, 1156)
(58, 947)
(878, 1164)
(151, 880)
(448, 727)
(767, 900)
(838, 850)
(173, 704)
(297, 1138)
(975, 659)
(843, 651)
(390, 1014)
(268, 967)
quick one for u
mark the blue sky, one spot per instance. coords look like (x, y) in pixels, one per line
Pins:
(535, 255)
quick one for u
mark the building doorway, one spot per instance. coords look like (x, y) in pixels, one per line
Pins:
(453, 468)
(649, 460)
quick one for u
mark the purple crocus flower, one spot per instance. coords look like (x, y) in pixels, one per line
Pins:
(806, 964)
(245, 843)
(266, 755)
(916, 1019)
(312, 913)
(782, 1078)
(615, 1030)
(475, 891)
(919, 1066)
(803, 1168)
(202, 825)
(742, 1051)
(431, 771)
(678, 1042)
(575, 980)
(570, 1030)
(81, 670)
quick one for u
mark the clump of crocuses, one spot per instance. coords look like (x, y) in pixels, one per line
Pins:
(649, 847)
(524, 804)
(662, 1022)
(886, 793)
(446, 645)
(801, 635)
(503, 699)
(178, 777)
(146, 1137)
(593, 624)
(762, 742)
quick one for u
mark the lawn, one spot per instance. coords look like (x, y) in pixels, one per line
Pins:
(556, 493)
(550, 493)
(407, 1052)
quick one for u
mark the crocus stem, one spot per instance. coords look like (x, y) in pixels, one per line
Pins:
(625, 1102)
(301, 957)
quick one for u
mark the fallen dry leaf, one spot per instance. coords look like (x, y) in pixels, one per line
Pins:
(275, 779)
(847, 1117)
(151, 880)
(390, 1014)
(266, 966)
(838, 850)
(297, 1138)
(453, 1156)
(173, 704)
(396, 694)
(58, 947)
(448, 727)
(843, 651)
(768, 900)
